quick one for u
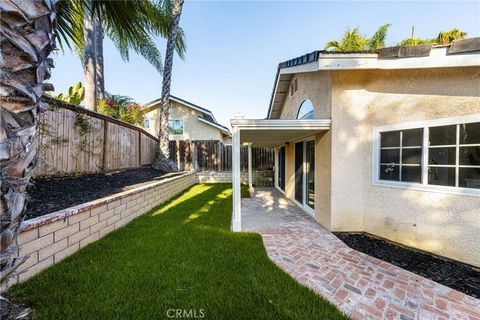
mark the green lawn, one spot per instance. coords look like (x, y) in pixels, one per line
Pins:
(181, 255)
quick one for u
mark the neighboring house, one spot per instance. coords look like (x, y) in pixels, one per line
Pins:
(387, 143)
(187, 121)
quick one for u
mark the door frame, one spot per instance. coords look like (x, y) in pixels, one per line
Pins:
(304, 204)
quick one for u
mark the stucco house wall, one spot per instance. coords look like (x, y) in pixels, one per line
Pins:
(316, 87)
(442, 223)
(358, 101)
(193, 129)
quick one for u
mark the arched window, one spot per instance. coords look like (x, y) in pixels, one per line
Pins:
(306, 110)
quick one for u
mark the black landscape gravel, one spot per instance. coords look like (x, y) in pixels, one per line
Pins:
(51, 194)
(452, 274)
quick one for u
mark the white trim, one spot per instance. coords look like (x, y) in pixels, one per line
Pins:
(274, 124)
(236, 180)
(276, 171)
(184, 103)
(423, 186)
(430, 123)
(224, 130)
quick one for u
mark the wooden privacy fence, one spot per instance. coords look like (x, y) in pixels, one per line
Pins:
(215, 156)
(75, 140)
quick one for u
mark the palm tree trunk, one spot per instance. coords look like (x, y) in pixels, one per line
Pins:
(99, 69)
(162, 161)
(27, 38)
(89, 61)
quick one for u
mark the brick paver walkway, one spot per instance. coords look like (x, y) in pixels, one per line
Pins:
(362, 286)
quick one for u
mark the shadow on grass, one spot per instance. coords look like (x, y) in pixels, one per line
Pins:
(181, 255)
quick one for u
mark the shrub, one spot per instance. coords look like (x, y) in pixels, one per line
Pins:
(123, 108)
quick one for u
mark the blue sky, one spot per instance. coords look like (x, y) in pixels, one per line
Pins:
(234, 47)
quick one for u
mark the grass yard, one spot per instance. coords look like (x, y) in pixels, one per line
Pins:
(180, 255)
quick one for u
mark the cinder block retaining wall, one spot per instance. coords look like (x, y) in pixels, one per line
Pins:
(261, 178)
(50, 238)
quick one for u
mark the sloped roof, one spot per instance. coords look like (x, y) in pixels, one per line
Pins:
(459, 53)
(207, 116)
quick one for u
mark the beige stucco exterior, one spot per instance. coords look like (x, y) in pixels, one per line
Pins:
(193, 128)
(346, 199)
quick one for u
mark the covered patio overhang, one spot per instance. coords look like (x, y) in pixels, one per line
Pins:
(264, 133)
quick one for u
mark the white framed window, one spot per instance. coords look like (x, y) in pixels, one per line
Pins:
(175, 126)
(146, 124)
(306, 110)
(438, 155)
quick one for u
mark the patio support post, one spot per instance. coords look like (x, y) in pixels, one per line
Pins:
(250, 184)
(236, 218)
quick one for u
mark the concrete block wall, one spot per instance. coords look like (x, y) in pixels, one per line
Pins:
(49, 239)
(258, 177)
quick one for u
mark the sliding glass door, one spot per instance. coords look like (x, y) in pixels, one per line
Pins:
(305, 173)
(281, 168)
(310, 173)
(299, 185)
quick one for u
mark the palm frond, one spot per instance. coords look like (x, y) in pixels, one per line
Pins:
(332, 44)
(377, 41)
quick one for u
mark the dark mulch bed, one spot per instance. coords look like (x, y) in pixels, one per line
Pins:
(452, 274)
(12, 309)
(52, 194)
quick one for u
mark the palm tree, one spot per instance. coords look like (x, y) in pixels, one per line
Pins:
(27, 38)
(446, 37)
(353, 40)
(163, 153)
(91, 24)
(443, 38)
(29, 32)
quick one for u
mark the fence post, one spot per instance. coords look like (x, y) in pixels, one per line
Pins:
(139, 148)
(105, 144)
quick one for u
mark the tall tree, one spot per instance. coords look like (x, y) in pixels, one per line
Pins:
(146, 20)
(27, 39)
(89, 61)
(99, 67)
(162, 161)
(353, 40)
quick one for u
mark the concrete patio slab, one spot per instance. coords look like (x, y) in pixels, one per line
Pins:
(360, 285)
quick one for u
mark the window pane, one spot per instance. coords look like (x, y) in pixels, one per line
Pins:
(441, 176)
(390, 139)
(441, 156)
(310, 161)
(412, 138)
(469, 178)
(470, 133)
(299, 172)
(306, 110)
(412, 156)
(444, 135)
(390, 156)
(412, 174)
(389, 173)
(470, 156)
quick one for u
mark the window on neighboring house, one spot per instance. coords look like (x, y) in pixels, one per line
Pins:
(438, 155)
(146, 124)
(175, 126)
(306, 110)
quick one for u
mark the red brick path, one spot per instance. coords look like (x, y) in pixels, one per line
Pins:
(362, 286)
